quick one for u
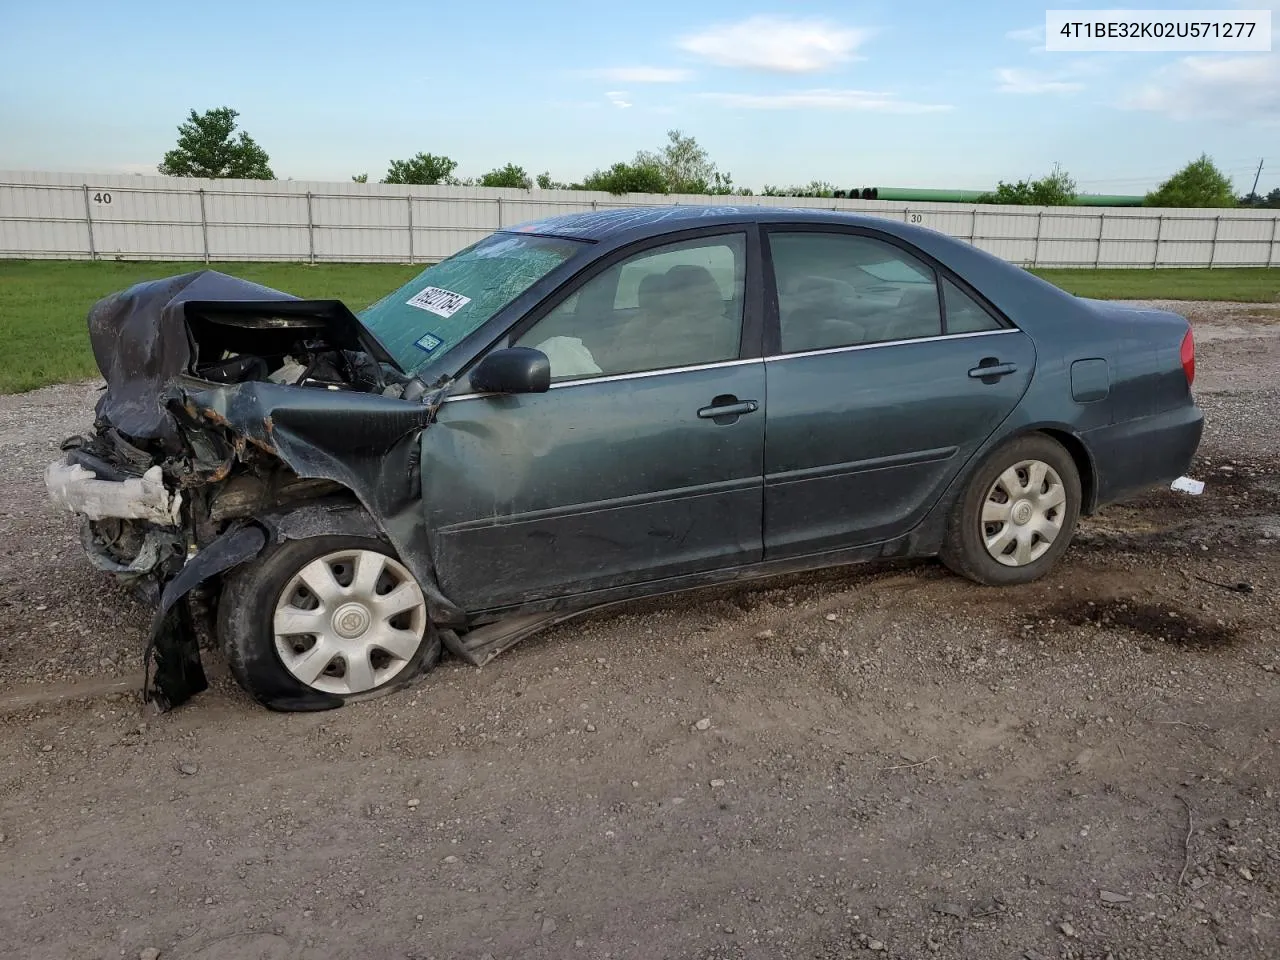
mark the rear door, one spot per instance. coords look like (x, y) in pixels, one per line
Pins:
(884, 376)
(645, 458)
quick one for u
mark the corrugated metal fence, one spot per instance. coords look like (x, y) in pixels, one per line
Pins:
(118, 216)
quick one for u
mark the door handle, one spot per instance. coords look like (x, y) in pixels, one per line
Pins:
(993, 369)
(727, 410)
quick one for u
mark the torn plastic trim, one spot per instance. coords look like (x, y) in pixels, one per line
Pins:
(79, 490)
(173, 647)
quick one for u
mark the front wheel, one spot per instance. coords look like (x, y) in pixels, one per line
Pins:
(1016, 515)
(314, 623)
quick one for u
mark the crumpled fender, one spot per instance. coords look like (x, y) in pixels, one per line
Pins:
(338, 517)
(366, 442)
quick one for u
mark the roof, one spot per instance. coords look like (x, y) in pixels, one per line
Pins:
(1013, 291)
(636, 222)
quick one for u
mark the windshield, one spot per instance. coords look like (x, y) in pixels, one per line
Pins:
(445, 303)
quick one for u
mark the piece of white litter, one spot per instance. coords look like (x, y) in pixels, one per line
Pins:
(1187, 485)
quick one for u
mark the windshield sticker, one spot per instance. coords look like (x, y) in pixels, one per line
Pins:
(427, 342)
(443, 303)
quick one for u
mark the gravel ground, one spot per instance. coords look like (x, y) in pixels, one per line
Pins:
(873, 761)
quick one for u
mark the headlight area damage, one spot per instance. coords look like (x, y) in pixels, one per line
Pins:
(236, 416)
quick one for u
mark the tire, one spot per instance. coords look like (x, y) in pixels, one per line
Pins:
(1015, 526)
(343, 659)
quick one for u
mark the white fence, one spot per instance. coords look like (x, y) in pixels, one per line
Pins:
(118, 216)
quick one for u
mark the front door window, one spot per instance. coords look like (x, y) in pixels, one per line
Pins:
(676, 305)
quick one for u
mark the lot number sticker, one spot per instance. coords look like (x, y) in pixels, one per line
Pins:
(443, 303)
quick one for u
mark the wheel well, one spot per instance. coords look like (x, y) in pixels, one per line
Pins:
(339, 515)
(1084, 466)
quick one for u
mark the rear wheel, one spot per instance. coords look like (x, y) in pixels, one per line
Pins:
(316, 622)
(1017, 514)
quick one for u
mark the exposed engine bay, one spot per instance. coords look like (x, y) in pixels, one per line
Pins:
(227, 406)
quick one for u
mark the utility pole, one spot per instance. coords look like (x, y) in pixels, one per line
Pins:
(1254, 191)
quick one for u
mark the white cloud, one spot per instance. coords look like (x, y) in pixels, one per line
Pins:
(1027, 34)
(862, 100)
(641, 74)
(1013, 80)
(1236, 87)
(777, 44)
(618, 98)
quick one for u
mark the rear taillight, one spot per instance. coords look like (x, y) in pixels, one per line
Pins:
(1189, 357)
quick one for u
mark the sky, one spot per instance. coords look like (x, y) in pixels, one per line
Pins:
(913, 93)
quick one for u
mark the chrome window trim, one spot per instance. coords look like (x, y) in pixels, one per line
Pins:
(887, 343)
(667, 371)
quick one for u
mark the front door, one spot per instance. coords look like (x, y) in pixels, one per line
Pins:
(643, 461)
(884, 377)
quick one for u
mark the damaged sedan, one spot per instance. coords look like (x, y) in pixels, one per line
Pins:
(588, 409)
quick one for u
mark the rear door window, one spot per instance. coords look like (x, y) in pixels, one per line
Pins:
(840, 290)
(964, 314)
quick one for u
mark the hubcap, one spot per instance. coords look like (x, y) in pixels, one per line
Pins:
(1022, 513)
(349, 621)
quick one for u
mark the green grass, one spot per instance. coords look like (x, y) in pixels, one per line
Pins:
(1242, 284)
(43, 303)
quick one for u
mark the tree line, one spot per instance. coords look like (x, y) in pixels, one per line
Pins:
(1199, 184)
(209, 147)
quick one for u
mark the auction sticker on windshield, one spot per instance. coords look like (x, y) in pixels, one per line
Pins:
(428, 342)
(441, 302)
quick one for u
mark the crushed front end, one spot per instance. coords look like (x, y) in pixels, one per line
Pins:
(227, 405)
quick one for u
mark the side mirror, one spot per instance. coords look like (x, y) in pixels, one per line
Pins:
(514, 370)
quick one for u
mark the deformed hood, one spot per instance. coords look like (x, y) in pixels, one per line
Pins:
(146, 336)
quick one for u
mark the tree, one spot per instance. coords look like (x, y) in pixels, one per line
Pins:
(360, 178)
(207, 148)
(546, 183)
(1271, 201)
(814, 188)
(638, 177)
(722, 186)
(682, 166)
(1198, 184)
(685, 166)
(508, 176)
(424, 169)
(1058, 189)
